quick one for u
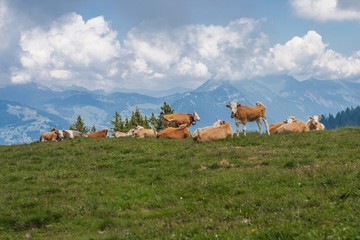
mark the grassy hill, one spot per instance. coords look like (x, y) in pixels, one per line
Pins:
(292, 186)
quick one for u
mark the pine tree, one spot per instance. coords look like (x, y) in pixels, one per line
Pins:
(93, 128)
(79, 125)
(165, 109)
(117, 123)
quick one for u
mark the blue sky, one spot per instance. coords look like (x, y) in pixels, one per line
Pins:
(162, 44)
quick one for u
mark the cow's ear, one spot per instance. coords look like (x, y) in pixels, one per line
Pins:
(238, 105)
(311, 118)
(320, 117)
(227, 105)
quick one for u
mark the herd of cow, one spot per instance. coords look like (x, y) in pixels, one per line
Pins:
(176, 126)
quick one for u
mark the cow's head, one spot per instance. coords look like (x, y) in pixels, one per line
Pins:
(196, 117)
(233, 106)
(290, 119)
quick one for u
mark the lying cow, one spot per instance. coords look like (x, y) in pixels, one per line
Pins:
(52, 136)
(98, 134)
(177, 119)
(244, 114)
(118, 134)
(213, 133)
(298, 126)
(175, 133)
(274, 127)
(144, 133)
(315, 124)
(72, 134)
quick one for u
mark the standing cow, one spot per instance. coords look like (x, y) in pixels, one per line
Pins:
(244, 114)
(177, 119)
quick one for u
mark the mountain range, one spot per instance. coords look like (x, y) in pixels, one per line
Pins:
(27, 110)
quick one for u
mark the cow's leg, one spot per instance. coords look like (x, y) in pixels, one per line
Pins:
(266, 126)
(259, 126)
(237, 128)
(244, 129)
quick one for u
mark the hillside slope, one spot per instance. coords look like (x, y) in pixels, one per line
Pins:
(291, 186)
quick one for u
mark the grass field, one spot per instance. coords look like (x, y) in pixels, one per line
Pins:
(291, 186)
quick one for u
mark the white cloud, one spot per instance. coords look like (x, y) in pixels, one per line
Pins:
(326, 10)
(70, 52)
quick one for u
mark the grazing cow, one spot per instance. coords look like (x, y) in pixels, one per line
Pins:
(118, 134)
(213, 133)
(52, 136)
(315, 124)
(144, 133)
(244, 114)
(175, 133)
(177, 119)
(273, 127)
(298, 126)
(98, 134)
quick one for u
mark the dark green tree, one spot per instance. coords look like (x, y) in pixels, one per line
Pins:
(165, 109)
(117, 123)
(79, 125)
(93, 128)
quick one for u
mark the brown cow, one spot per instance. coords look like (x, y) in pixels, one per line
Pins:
(175, 133)
(274, 127)
(298, 126)
(213, 133)
(52, 136)
(244, 114)
(98, 134)
(144, 133)
(315, 124)
(177, 119)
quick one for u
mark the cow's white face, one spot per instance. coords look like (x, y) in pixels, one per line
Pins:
(290, 119)
(233, 106)
(61, 134)
(196, 117)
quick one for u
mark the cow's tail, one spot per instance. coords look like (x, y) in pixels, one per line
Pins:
(260, 104)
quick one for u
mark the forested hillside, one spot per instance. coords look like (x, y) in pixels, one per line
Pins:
(348, 117)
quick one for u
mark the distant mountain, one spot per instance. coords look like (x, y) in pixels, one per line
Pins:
(27, 110)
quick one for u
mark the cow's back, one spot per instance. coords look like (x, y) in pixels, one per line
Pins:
(214, 133)
(250, 114)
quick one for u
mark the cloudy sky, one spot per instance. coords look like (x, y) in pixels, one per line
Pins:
(162, 44)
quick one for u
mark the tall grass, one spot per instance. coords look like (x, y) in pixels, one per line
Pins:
(291, 186)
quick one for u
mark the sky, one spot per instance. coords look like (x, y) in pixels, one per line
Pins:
(164, 44)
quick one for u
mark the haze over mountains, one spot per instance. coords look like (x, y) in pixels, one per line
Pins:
(27, 110)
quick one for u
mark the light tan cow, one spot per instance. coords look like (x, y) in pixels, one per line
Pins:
(144, 133)
(274, 127)
(213, 133)
(175, 133)
(118, 134)
(315, 124)
(244, 114)
(52, 136)
(177, 119)
(98, 134)
(298, 126)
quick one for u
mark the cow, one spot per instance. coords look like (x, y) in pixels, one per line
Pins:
(60, 134)
(315, 124)
(298, 126)
(213, 133)
(177, 119)
(144, 133)
(72, 134)
(118, 134)
(52, 136)
(175, 133)
(244, 114)
(273, 127)
(98, 134)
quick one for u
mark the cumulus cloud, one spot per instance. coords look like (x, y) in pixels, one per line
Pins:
(71, 52)
(327, 10)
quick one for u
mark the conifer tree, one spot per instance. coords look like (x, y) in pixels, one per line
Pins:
(93, 128)
(117, 123)
(79, 125)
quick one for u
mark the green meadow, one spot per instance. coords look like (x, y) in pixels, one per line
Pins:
(290, 186)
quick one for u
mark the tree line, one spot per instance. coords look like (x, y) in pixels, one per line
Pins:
(125, 124)
(345, 118)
